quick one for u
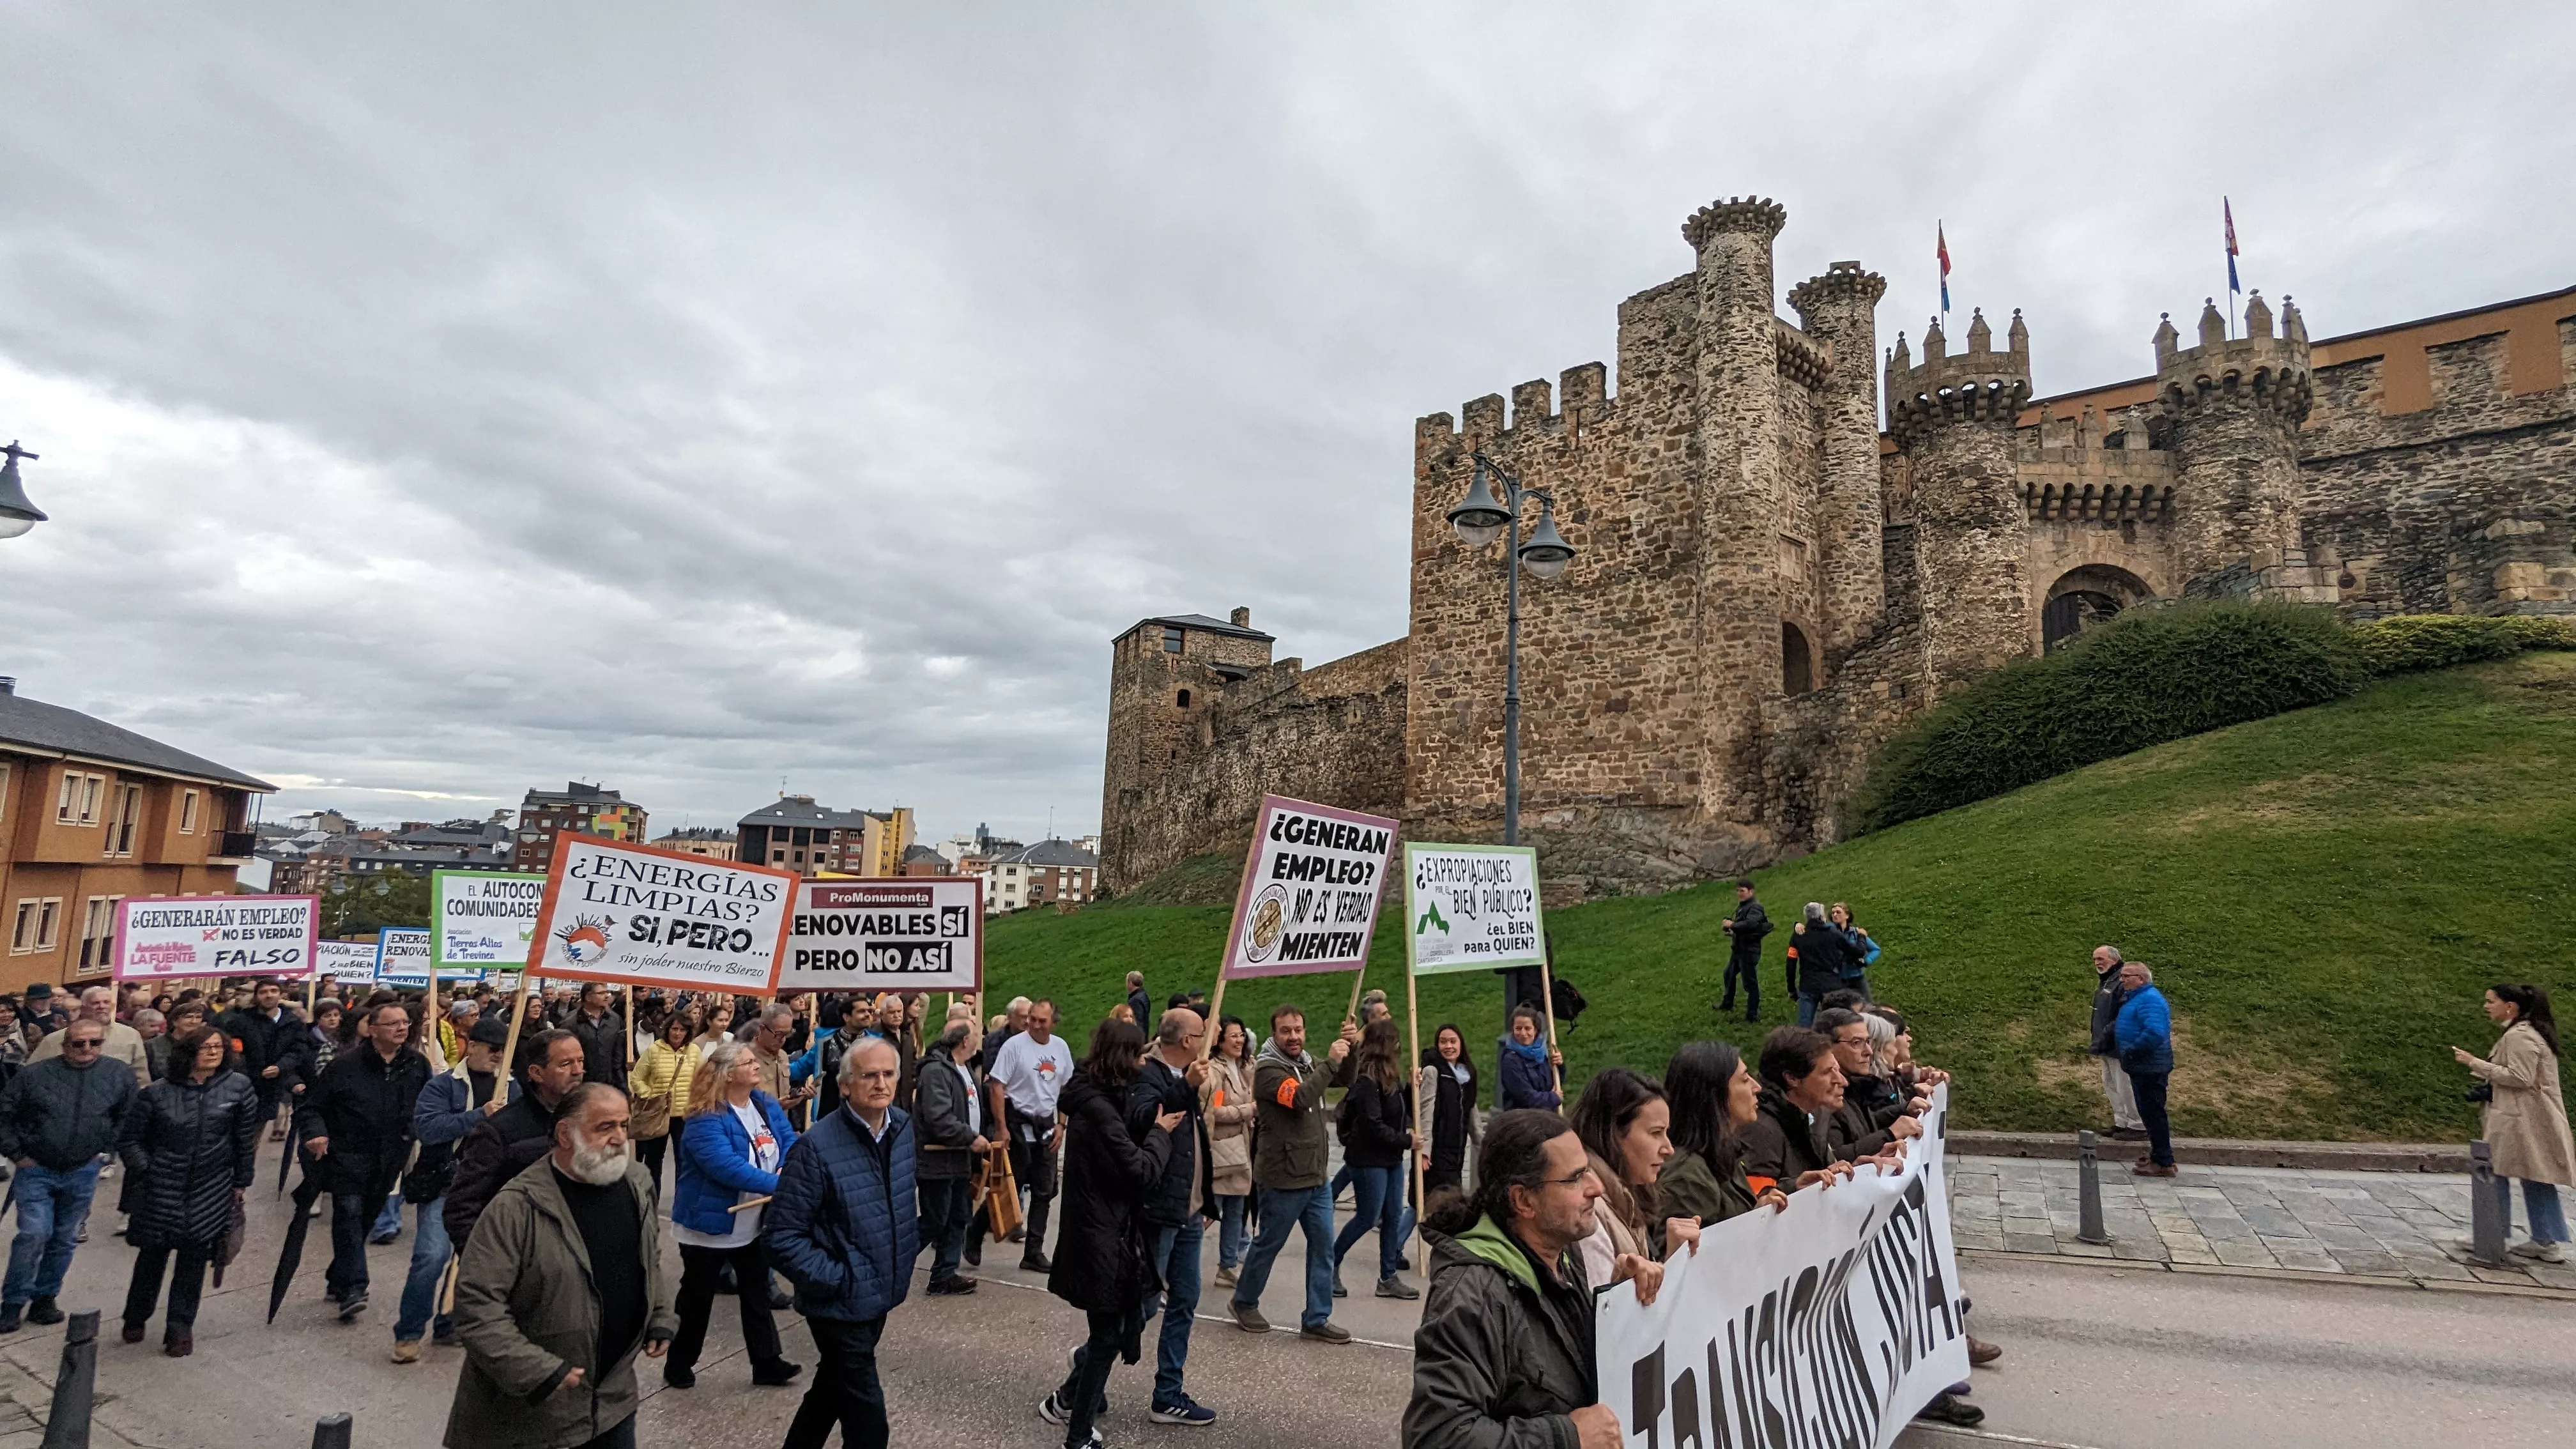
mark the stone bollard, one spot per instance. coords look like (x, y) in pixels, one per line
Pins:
(331, 1431)
(2088, 1191)
(2490, 1209)
(75, 1385)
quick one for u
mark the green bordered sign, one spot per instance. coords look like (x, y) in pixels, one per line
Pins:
(1471, 908)
(479, 919)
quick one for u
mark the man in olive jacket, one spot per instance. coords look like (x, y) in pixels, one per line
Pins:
(560, 1285)
(1288, 1162)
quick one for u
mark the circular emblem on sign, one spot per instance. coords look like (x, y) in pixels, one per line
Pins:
(585, 940)
(1269, 919)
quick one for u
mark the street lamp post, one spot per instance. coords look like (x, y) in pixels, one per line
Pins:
(1478, 521)
(17, 515)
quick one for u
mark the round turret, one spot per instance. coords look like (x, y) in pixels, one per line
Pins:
(1979, 385)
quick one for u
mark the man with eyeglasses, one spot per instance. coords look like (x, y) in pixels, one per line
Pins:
(58, 1118)
(356, 1127)
(844, 1227)
(122, 1043)
(1177, 1211)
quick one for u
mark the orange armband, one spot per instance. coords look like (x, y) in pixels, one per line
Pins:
(1760, 1185)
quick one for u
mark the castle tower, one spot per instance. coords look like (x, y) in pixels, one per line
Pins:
(2235, 406)
(1840, 309)
(1737, 424)
(1954, 418)
(1164, 674)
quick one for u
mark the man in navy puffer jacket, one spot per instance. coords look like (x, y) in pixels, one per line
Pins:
(844, 1229)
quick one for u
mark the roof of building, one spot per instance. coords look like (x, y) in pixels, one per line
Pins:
(1200, 621)
(1049, 852)
(52, 729)
(912, 853)
(801, 810)
(699, 832)
(574, 792)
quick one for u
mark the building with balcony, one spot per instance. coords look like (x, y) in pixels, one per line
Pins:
(704, 840)
(799, 835)
(91, 814)
(578, 808)
(1048, 873)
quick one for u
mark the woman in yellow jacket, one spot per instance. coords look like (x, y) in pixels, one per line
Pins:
(663, 1075)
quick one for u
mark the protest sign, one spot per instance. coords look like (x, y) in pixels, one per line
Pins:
(638, 916)
(402, 957)
(1829, 1323)
(1471, 907)
(159, 937)
(347, 963)
(921, 933)
(481, 918)
(1311, 886)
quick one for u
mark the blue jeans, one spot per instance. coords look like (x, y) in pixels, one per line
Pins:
(2540, 1205)
(1229, 1232)
(1282, 1210)
(51, 1207)
(429, 1255)
(388, 1222)
(1807, 1009)
(946, 1203)
(1381, 1206)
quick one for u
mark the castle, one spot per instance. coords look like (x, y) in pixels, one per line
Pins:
(1767, 585)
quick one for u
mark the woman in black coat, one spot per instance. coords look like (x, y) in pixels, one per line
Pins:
(188, 1145)
(1449, 1077)
(1102, 1265)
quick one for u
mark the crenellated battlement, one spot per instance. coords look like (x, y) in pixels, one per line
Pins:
(2258, 368)
(1759, 215)
(1979, 385)
(1842, 283)
(1583, 390)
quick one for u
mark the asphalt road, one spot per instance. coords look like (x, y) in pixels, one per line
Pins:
(2097, 1358)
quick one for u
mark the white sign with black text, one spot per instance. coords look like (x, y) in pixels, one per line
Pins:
(635, 915)
(1311, 887)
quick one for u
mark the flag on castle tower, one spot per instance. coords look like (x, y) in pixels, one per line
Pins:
(2229, 213)
(1941, 249)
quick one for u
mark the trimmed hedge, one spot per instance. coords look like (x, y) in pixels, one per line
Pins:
(2153, 675)
(2146, 677)
(2407, 643)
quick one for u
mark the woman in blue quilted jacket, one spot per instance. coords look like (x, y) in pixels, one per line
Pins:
(730, 1145)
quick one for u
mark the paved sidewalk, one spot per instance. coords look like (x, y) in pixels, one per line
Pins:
(2367, 1224)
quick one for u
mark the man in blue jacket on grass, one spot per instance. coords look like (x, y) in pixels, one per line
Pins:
(2144, 1033)
(843, 1228)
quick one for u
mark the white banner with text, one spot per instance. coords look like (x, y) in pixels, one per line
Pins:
(923, 933)
(633, 915)
(1828, 1323)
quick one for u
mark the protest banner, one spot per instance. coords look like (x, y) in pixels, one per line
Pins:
(164, 937)
(1471, 908)
(631, 915)
(921, 933)
(1311, 886)
(1829, 1323)
(347, 963)
(482, 918)
(402, 957)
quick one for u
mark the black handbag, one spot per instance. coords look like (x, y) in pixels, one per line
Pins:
(2480, 1091)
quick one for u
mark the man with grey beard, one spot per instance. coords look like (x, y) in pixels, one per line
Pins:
(559, 1285)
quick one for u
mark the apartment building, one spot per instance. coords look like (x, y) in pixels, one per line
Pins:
(705, 840)
(808, 838)
(578, 808)
(1046, 873)
(91, 814)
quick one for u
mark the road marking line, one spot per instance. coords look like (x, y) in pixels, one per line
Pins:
(1992, 1436)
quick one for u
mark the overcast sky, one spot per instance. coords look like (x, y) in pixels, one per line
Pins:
(439, 401)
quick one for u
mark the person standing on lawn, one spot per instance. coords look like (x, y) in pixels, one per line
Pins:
(2524, 1118)
(2143, 1031)
(2126, 1124)
(1744, 932)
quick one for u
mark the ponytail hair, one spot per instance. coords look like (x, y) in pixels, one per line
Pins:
(2531, 1008)
(1514, 1155)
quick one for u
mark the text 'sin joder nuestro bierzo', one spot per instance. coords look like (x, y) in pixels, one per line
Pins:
(628, 913)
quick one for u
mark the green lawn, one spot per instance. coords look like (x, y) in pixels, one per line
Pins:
(2323, 894)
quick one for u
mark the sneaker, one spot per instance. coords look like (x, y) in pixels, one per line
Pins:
(1326, 1332)
(1392, 1286)
(678, 1377)
(380, 1239)
(11, 1315)
(1226, 1277)
(951, 1287)
(1982, 1352)
(780, 1300)
(776, 1372)
(1052, 1409)
(352, 1306)
(1019, 1234)
(1338, 1290)
(1095, 1441)
(43, 1311)
(1953, 1410)
(406, 1350)
(1185, 1410)
(2539, 1252)
(1247, 1316)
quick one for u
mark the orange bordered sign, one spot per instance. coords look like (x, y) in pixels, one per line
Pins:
(633, 915)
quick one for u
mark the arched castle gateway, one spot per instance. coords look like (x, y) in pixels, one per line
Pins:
(1769, 584)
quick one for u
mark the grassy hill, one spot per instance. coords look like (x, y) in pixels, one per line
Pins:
(2323, 894)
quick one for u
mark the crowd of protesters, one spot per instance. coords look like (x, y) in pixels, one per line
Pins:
(807, 1155)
